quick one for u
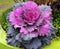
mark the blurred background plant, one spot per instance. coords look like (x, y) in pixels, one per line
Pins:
(3, 19)
(56, 16)
(55, 4)
(56, 21)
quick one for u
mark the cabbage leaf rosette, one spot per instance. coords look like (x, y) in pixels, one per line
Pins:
(30, 25)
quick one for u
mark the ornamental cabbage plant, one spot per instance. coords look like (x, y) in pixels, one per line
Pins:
(30, 25)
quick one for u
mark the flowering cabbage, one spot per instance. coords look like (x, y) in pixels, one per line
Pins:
(32, 20)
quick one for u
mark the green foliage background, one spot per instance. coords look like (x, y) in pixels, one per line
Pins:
(56, 21)
(3, 18)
